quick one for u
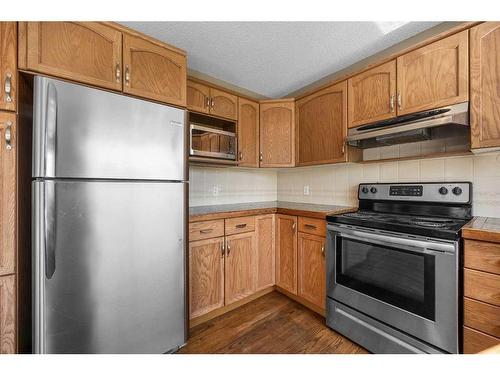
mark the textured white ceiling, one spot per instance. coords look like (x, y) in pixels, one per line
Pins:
(276, 58)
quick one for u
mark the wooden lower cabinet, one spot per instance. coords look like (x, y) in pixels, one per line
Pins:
(206, 276)
(311, 269)
(286, 252)
(265, 252)
(8, 74)
(7, 315)
(239, 267)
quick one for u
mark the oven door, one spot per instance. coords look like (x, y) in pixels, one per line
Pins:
(407, 282)
(210, 142)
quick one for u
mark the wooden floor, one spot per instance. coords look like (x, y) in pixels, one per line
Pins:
(271, 324)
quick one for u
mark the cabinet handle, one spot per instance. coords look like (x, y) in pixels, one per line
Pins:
(228, 249)
(8, 136)
(212, 101)
(392, 103)
(293, 226)
(241, 155)
(399, 100)
(222, 248)
(240, 226)
(118, 72)
(343, 148)
(204, 231)
(8, 88)
(310, 226)
(261, 157)
(208, 102)
(323, 250)
(127, 75)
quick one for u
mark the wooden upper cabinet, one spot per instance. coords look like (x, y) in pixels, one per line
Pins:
(265, 241)
(223, 104)
(277, 133)
(240, 266)
(322, 126)
(485, 84)
(248, 133)
(286, 252)
(7, 314)
(153, 71)
(434, 76)
(372, 95)
(88, 52)
(7, 193)
(311, 269)
(8, 66)
(206, 276)
(198, 97)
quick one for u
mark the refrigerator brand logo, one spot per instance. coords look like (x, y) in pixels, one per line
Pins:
(175, 123)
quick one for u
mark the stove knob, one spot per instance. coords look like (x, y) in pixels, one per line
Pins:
(443, 190)
(373, 190)
(364, 189)
(457, 190)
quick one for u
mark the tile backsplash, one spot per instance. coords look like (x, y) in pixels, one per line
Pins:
(337, 184)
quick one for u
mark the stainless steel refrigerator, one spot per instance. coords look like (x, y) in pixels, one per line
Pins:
(109, 210)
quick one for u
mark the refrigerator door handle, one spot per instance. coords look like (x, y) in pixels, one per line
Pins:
(50, 229)
(50, 130)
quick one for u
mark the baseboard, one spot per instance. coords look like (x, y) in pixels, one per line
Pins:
(302, 301)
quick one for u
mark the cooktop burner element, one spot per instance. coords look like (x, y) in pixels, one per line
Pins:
(428, 209)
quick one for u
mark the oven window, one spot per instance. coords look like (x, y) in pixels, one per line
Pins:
(399, 277)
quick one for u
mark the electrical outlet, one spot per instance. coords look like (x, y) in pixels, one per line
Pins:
(306, 189)
(216, 190)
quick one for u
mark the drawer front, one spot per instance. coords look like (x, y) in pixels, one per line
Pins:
(483, 256)
(482, 316)
(482, 286)
(206, 229)
(475, 341)
(240, 225)
(312, 226)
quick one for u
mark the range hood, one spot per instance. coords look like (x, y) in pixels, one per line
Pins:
(410, 128)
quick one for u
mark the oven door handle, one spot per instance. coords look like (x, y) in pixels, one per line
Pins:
(412, 244)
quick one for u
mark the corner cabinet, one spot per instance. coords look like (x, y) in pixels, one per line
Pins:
(484, 85)
(248, 133)
(265, 244)
(286, 252)
(8, 67)
(322, 126)
(153, 71)
(277, 133)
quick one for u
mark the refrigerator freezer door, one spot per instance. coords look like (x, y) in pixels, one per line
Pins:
(109, 268)
(81, 132)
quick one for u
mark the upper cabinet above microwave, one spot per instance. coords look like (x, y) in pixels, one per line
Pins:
(205, 99)
(429, 77)
(104, 55)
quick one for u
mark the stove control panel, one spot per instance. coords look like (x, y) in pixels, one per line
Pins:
(449, 192)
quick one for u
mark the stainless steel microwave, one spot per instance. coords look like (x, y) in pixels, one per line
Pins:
(212, 142)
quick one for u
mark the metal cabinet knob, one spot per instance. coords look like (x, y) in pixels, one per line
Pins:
(399, 100)
(261, 157)
(127, 75)
(392, 103)
(8, 136)
(8, 87)
(118, 72)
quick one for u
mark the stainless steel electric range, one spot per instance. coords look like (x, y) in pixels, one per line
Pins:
(393, 267)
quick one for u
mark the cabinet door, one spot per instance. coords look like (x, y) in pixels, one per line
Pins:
(7, 192)
(8, 74)
(372, 95)
(198, 97)
(286, 252)
(311, 269)
(223, 104)
(277, 133)
(248, 133)
(87, 52)
(434, 76)
(484, 85)
(206, 276)
(240, 266)
(7, 315)
(265, 270)
(153, 71)
(322, 126)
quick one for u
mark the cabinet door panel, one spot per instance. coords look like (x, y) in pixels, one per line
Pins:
(435, 75)
(8, 73)
(206, 276)
(286, 252)
(224, 104)
(248, 133)
(153, 71)
(7, 194)
(240, 266)
(198, 97)
(372, 95)
(87, 52)
(311, 269)
(484, 85)
(264, 231)
(277, 133)
(7, 315)
(322, 126)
